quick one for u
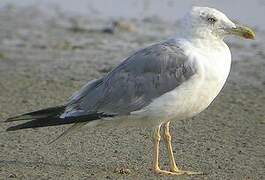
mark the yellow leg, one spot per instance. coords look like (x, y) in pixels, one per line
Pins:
(156, 168)
(173, 167)
(156, 141)
(167, 139)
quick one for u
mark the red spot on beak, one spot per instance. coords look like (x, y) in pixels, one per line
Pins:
(248, 36)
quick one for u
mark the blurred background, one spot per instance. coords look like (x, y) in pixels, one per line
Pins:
(50, 48)
(250, 12)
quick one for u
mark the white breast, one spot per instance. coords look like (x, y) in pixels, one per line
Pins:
(196, 94)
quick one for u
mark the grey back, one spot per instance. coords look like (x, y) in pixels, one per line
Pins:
(136, 82)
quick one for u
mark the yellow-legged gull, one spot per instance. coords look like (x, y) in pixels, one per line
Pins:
(168, 81)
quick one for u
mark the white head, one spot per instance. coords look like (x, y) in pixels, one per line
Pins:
(204, 22)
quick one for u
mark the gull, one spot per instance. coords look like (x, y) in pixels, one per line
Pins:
(169, 81)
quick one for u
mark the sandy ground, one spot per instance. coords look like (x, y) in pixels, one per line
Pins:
(45, 58)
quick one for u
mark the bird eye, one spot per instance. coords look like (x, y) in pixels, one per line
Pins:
(211, 20)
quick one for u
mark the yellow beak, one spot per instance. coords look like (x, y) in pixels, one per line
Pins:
(242, 31)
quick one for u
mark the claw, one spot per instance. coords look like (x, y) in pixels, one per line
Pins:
(176, 173)
(189, 172)
(167, 173)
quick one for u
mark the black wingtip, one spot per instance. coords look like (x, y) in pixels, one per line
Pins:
(13, 128)
(56, 120)
(11, 119)
(43, 113)
(19, 126)
(21, 118)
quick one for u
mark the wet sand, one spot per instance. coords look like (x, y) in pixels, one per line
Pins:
(45, 58)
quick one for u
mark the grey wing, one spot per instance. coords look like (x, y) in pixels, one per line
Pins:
(135, 83)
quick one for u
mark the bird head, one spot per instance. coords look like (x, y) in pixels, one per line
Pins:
(207, 22)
